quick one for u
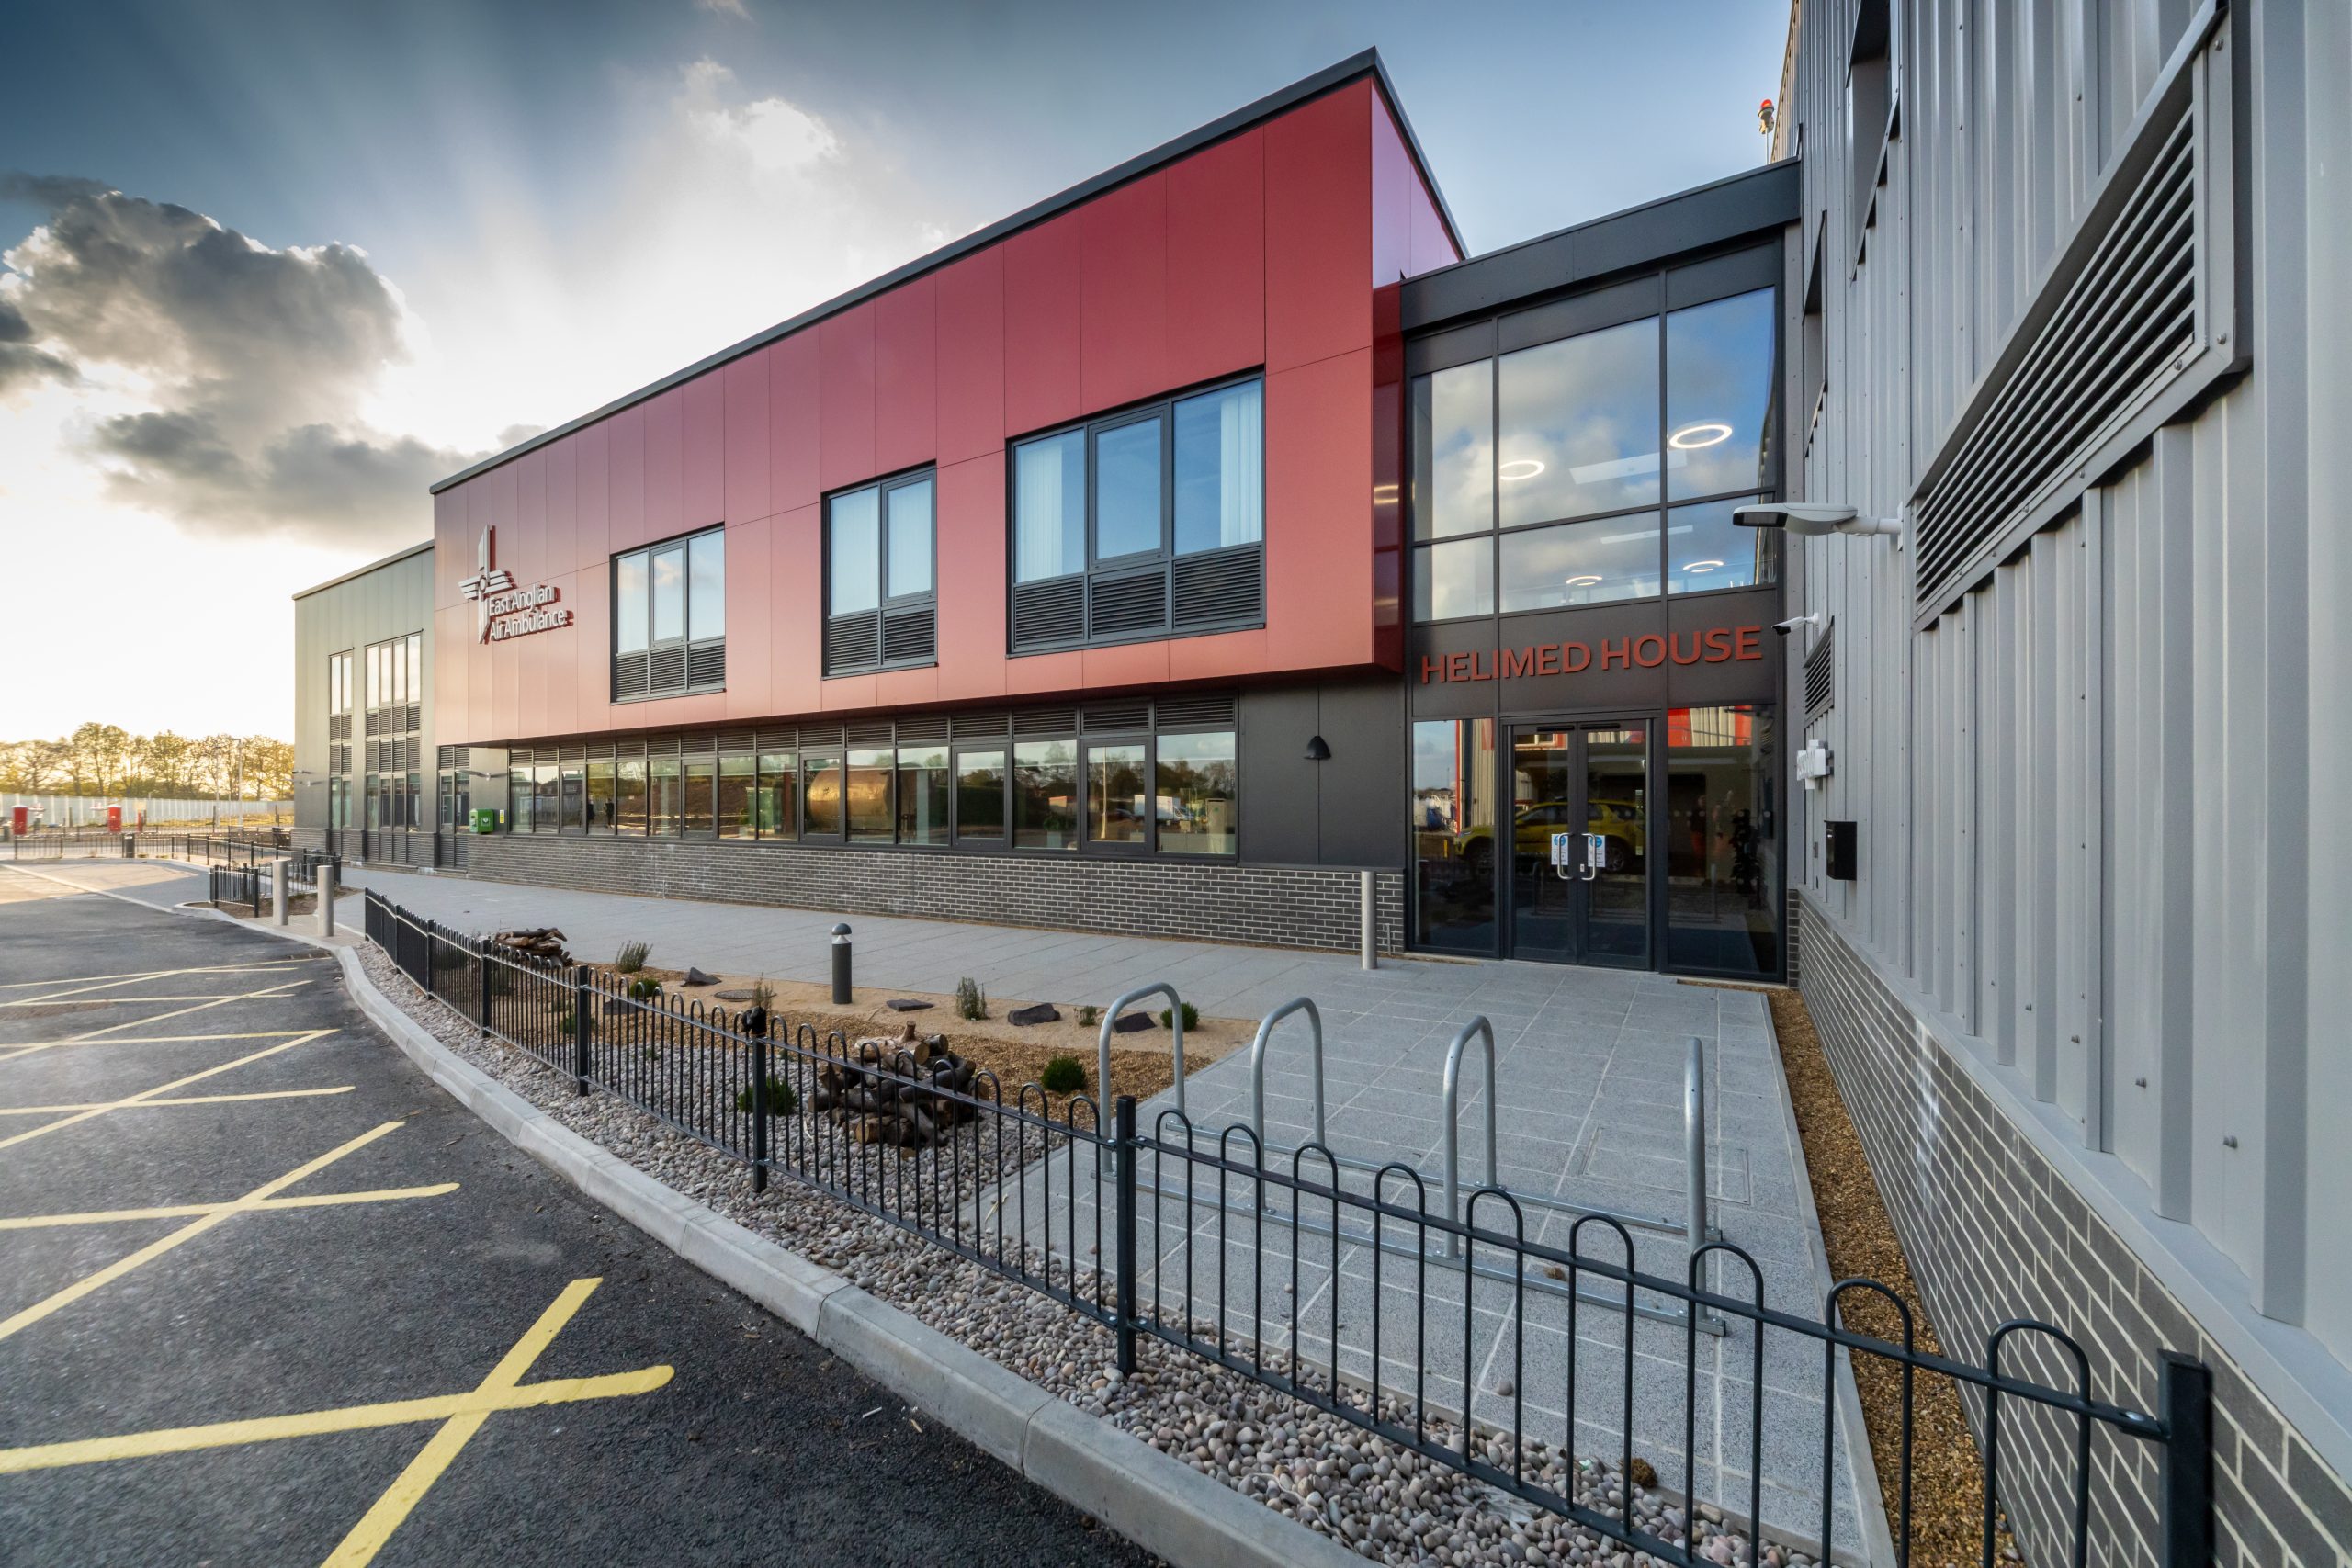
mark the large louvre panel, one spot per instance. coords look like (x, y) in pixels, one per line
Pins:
(574, 751)
(415, 717)
(2135, 319)
(1047, 612)
(910, 636)
(735, 740)
(783, 739)
(1109, 718)
(339, 726)
(867, 734)
(706, 663)
(820, 735)
(990, 725)
(628, 675)
(1225, 587)
(1124, 606)
(1821, 675)
(928, 726)
(600, 752)
(1194, 712)
(1044, 721)
(660, 745)
(851, 643)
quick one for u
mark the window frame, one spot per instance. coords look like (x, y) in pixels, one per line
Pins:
(886, 604)
(684, 643)
(1000, 747)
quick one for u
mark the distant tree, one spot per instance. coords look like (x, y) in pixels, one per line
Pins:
(165, 763)
(269, 768)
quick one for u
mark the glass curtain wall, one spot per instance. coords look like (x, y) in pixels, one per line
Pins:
(1722, 835)
(1453, 826)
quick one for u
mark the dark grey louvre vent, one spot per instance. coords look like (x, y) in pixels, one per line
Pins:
(987, 726)
(339, 726)
(600, 750)
(706, 664)
(1124, 606)
(735, 740)
(415, 717)
(910, 636)
(1821, 675)
(851, 642)
(703, 745)
(929, 727)
(628, 675)
(660, 745)
(2136, 318)
(574, 751)
(631, 751)
(1195, 712)
(866, 734)
(783, 739)
(1102, 718)
(446, 757)
(1048, 612)
(666, 669)
(1225, 587)
(820, 735)
(1045, 721)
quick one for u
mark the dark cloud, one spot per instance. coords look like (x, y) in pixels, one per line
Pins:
(258, 359)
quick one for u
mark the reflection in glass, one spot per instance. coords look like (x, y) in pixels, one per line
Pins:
(700, 803)
(854, 549)
(1126, 489)
(1453, 578)
(869, 791)
(1220, 465)
(573, 798)
(667, 792)
(1581, 563)
(1196, 793)
(979, 795)
(923, 794)
(545, 820)
(707, 597)
(1706, 549)
(1722, 837)
(1453, 451)
(1044, 794)
(628, 605)
(628, 798)
(1115, 797)
(1453, 834)
(600, 797)
(669, 593)
(1719, 396)
(1049, 506)
(910, 539)
(820, 796)
(1578, 425)
(738, 791)
(779, 797)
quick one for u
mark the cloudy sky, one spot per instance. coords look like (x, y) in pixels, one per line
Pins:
(268, 270)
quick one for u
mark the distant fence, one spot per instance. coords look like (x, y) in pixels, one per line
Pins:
(78, 810)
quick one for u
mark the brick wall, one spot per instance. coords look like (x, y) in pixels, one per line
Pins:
(1278, 905)
(1994, 1231)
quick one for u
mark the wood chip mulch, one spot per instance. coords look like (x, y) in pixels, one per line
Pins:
(1947, 1469)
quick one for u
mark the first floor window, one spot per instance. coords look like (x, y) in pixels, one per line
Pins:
(667, 791)
(779, 797)
(628, 798)
(670, 617)
(1117, 804)
(1044, 794)
(923, 794)
(1196, 793)
(867, 790)
(738, 797)
(880, 606)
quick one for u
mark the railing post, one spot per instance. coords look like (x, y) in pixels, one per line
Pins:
(1124, 1297)
(758, 1105)
(580, 1027)
(482, 1004)
(2186, 1406)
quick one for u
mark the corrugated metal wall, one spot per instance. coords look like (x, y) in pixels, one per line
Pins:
(2103, 821)
(387, 600)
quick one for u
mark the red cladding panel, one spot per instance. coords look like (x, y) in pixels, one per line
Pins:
(845, 398)
(972, 572)
(1391, 214)
(1042, 282)
(792, 422)
(703, 494)
(1318, 517)
(906, 379)
(628, 430)
(1318, 229)
(751, 623)
(666, 463)
(1217, 261)
(1123, 307)
(524, 549)
(592, 541)
(971, 357)
(795, 613)
(747, 439)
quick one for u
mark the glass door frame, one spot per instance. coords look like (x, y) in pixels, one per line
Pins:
(1651, 724)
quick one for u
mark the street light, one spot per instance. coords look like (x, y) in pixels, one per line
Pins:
(1811, 520)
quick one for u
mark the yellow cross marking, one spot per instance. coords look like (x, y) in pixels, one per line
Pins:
(260, 966)
(175, 1099)
(190, 1211)
(461, 1416)
(87, 1035)
(188, 1232)
(150, 1040)
(141, 1097)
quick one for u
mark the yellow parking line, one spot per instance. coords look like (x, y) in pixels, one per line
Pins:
(189, 1232)
(153, 1039)
(111, 1001)
(189, 1211)
(175, 1099)
(141, 1098)
(376, 1527)
(260, 966)
(89, 1034)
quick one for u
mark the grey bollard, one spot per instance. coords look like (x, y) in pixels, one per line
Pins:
(281, 873)
(841, 964)
(1369, 936)
(325, 882)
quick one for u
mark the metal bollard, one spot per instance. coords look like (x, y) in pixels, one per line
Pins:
(280, 872)
(1694, 1143)
(323, 878)
(841, 965)
(1368, 938)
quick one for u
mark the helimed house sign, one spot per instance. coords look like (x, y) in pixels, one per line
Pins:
(501, 610)
(1714, 644)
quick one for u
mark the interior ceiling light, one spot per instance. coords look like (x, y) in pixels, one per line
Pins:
(1702, 565)
(1523, 468)
(1691, 437)
(1586, 580)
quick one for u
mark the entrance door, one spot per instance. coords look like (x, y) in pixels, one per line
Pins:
(1581, 778)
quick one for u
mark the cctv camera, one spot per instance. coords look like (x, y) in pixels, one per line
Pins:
(1793, 622)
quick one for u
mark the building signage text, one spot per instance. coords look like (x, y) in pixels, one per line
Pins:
(502, 610)
(1717, 645)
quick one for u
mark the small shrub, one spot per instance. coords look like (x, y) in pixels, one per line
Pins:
(763, 994)
(970, 1000)
(631, 957)
(653, 1053)
(644, 985)
(1089, 1016)
(782, 1101)
(1192, 1016)
(1063, 1075)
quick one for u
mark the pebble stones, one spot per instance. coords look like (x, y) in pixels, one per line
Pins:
(1381, 1500)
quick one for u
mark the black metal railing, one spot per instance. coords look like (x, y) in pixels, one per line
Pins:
(1043, 1194)
(239, 849)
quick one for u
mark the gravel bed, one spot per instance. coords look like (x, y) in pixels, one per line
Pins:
(1379, 1498)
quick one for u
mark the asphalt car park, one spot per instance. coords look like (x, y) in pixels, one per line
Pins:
(266, 1296)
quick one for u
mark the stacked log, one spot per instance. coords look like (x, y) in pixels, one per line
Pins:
(544, 943)
(898, 1092)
